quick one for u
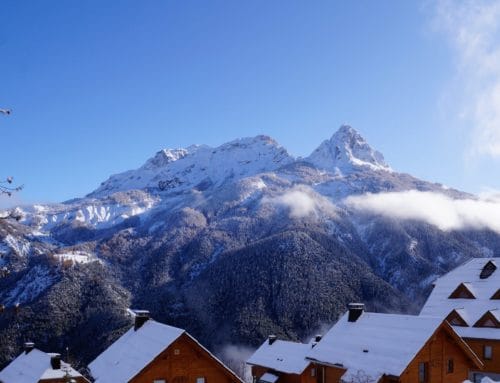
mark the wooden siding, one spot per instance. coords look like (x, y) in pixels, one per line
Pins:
(182, 362)
(440, 348)
(333, 374)
(436, 353)
(477, 346)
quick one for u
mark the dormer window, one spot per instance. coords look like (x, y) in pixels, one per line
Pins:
(462, 292)
(487, 270)
(496, 295)
(489, 319)
(455, 319)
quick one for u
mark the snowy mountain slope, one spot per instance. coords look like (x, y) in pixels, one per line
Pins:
(200, 166)
(225, 242)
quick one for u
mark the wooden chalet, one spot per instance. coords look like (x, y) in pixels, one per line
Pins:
(282, 361)
(152, 352)
(468, 297)
(367, 347)
(35, 366)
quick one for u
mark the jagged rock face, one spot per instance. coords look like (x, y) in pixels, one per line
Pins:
(345, 152)
(231, 243)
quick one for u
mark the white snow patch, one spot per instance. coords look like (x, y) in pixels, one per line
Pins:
(35, 282)
(76, 256)
(20, 246)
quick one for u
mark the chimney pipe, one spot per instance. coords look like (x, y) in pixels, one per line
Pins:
(272, 339)
(55, 361)
(318, 337)
(28, 346)
(141, 317)
(355, 311)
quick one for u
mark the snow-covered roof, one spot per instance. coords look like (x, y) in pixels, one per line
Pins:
(471, 310)
(268, 378)
(282, 356)
(34, 366)
(133, 351)
(376, 344)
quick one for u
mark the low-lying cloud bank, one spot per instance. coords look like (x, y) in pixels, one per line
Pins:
(302, 201)
(434, 208)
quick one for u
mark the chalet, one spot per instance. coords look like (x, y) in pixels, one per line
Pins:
(35, 366)
(372, 347)
(152, 352)
(468, 297)
(278, 360)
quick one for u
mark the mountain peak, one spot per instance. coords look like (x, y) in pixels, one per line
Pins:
(346, 151)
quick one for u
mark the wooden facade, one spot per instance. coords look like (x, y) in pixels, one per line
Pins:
(444, 358)
(479, 346)
(185, 361)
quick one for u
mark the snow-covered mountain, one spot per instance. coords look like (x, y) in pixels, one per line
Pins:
(347, 152)
(200, 166)
(232, 242)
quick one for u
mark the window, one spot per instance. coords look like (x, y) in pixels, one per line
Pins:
(488, 269)
(463, 292)
(487, 352)
(200, 380)
(451, 366)
(423, 368)
(159, 381)
(177, 351)
(313, 372)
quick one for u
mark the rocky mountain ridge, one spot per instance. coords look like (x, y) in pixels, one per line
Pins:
(231, 243)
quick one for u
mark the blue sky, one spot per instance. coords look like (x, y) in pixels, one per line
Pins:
(98, 87)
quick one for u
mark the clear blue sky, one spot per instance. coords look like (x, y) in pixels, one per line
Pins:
(97, 87)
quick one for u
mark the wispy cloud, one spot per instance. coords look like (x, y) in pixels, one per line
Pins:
(303, 201)
(434, 208)
(472, 27)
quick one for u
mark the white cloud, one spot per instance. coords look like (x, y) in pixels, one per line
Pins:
(434, 208)
(302, 201)
(473, 29)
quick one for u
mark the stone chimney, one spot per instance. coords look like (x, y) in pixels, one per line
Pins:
(28, 346)
(355, 311)
(272, 339)
(55, 361)
(141, 317)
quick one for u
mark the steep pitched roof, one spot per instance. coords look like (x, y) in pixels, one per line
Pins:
(471, 310)
(282, 356)
(377, 344)
(136, 349)
(34, 366)
(133, 351)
